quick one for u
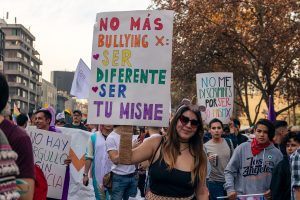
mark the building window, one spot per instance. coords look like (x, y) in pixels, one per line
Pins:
(31, 86)
(18, 79)
(25, 82)
(11, 78)
(17, 103)
(32, 97)
(14, 31)
(10, 54)
(25, 70)
(19, 55)
(12, 66)
(12, 91)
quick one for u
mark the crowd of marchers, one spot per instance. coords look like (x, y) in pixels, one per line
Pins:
(185, 161)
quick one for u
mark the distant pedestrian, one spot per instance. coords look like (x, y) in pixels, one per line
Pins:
(219, 151)
(22, 120)
(76, 121)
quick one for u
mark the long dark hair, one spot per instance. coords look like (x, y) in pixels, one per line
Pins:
(171, 147)
(4, 92)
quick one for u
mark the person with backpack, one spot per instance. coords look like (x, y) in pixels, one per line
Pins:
(97, 157)
(219, 151)
(20, 143)
(8, 170)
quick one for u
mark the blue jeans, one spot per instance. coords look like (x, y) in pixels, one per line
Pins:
(124, 186)
(216, 189)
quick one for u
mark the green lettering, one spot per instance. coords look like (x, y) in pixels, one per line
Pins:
(153, 72)
(128, 75)
(136, 75)
(121, 75)
(112, 74)
(99, 75)
(106, 75)
(162, 76)
(144, 76)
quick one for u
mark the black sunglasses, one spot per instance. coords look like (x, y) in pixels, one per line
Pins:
(185, 120)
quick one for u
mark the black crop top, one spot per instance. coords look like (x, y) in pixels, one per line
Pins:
(169, 183)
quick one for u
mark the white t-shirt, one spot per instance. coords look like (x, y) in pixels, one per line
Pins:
(113, 143)
(153, 135)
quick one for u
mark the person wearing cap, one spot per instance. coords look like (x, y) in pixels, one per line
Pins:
(76, 121)
(60, 119)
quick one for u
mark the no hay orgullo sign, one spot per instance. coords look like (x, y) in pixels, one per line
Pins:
(50, 150)
(131, 68)
(215, 91)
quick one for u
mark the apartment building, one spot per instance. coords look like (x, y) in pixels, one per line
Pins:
(21, 66)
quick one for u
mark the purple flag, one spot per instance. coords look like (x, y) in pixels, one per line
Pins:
(271, 112)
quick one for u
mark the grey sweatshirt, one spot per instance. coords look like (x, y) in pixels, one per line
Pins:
(248, 174)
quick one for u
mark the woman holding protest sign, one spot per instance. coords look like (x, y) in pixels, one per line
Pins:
(178, 164)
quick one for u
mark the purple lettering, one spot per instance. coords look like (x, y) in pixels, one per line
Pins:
(98, 103)
(138, 114)
(108, 109)
(148, 111)
(124, 111)
(158, 111)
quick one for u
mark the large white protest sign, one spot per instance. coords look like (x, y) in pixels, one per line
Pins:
(50, 150)
(79, 140)
(215, 91)
(131, 68)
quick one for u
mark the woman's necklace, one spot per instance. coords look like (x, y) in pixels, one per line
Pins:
(181, 150)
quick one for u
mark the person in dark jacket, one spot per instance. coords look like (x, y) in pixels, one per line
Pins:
(234, 126)
(281, 178)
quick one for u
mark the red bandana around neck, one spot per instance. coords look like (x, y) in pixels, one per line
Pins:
(257, 148)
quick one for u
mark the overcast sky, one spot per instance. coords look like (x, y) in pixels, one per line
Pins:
(63, 28)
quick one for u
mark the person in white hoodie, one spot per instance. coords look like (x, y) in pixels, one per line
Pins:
(249, 170)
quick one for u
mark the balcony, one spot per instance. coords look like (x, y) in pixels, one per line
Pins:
(17, 97)
(21, 85)
(15, 72)
(20, 60)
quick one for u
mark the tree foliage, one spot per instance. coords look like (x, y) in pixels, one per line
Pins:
(259, 41)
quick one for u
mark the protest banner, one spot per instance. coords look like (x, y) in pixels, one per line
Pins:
(79, 140)
(215, 91)
(50, 150)
(131, 68)
(246, 197)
